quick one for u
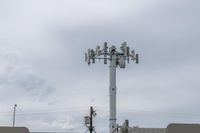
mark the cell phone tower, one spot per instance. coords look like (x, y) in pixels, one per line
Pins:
(116, 59)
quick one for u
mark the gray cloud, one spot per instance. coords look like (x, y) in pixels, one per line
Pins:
(42, 46)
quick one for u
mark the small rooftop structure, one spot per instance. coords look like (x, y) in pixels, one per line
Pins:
(183, 128)
(14, 130)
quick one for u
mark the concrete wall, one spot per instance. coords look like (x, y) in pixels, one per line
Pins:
(13, 130)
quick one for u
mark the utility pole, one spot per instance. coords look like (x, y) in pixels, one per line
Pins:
(15, 106)
(116, 59)
(89, 120)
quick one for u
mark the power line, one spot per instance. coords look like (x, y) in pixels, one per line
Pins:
(128, 111)
(65, 110)
(47, 111)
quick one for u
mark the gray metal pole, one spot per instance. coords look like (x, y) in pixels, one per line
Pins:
(91, 120)
(14, 115)
(112, 92)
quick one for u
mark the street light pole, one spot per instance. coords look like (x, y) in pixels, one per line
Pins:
(116, 59)
(15, 106)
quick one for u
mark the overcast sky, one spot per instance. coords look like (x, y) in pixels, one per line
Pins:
(42, 45)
